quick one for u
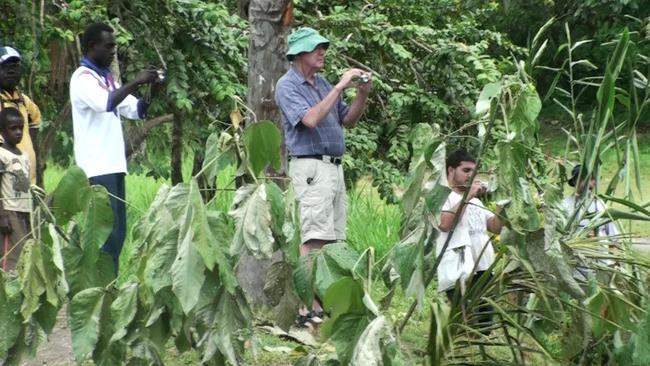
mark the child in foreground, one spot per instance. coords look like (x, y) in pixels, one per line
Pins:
(15, 197)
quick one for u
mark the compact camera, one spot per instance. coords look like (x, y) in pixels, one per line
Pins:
(362, 79)
(161, 75)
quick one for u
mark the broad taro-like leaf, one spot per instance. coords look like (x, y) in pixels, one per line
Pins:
(279, 292)
(57, 259)
(157, 218)
(221, 227)
(219, 153)
(344, 296)
(346, 330)
(376, 346)
(332, 263)
(408, 258)
(196, 228)
(123, 309)
(30, 338)
(108, 352)
(97, 222)
(69, 196)
(251, 211)
(85, 314)
(421, 137)
(229, 324)
(32, 281)
(188, 271)
(77, 262)
(489, 92)
(263, 142)
(522, 211)
(10, 318)
(302, 279)
(522, 119)
(291, 228)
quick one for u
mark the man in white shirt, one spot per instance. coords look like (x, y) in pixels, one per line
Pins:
(469, 247)
(590, 207)
(97, 103)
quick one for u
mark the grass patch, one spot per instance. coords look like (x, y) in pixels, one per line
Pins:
(554, 142)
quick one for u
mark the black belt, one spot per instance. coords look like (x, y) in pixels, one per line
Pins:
(336, 160)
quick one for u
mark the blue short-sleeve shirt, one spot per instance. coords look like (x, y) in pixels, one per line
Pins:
(295, 96)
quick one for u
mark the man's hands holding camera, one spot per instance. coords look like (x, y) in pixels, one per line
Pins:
(356, 78)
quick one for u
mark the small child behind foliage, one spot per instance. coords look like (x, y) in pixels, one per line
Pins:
(15, 198)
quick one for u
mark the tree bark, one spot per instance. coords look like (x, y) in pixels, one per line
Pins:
(270, 22)
(135, 136)
(177, 148)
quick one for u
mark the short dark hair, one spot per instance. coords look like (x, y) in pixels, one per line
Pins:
(93, 34)
(6, 114)
(457, 157)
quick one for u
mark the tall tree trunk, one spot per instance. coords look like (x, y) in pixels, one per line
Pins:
(177, 148)
(270, 22)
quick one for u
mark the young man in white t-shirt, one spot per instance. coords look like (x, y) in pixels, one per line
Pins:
(97, 103)
(584, 211)
(469, 247)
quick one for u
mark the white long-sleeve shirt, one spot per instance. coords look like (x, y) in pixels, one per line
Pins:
(98, 136)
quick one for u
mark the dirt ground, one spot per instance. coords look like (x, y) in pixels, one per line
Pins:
(58, 348)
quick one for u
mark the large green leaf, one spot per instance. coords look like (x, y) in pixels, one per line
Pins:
(344, 296)
(302, 279)
(489, 92)
(97, 222)
(32, 281)
(291, 228)
(421, 137)
(346, 331)
(263, 142)
(85, 313)
(69, 197)
(332, 263)
(278, 290)
(77, 262)
(522, 211)
(376, 346)
(523, 117)
(195, 226)
(10, 318)
(219, 153)
(251, 211)
(221, 227)
(229, 324)
(123, 309)
(188, 272)
(155, 220)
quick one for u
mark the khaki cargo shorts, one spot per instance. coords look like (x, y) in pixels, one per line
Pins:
(320, 190)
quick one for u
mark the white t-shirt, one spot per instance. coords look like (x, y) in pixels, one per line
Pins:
(98, 137)
(595, 206)
(467, 242)
(15, 181)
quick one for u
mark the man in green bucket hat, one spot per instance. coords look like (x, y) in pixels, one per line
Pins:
(313, 115)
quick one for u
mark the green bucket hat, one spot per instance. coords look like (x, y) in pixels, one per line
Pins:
(304, 39)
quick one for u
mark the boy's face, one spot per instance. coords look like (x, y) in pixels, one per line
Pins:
(459, 176)
(13, 132)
